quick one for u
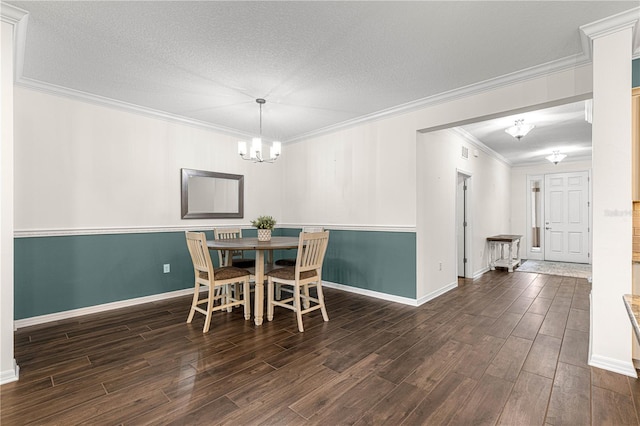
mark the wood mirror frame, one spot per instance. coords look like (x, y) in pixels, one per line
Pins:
(200, 200)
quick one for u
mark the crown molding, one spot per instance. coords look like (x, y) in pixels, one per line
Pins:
(478, 144)
(610, 25)
(627, 19)
(19, 18)
(12, 14)
(124, 106)
(542, 70)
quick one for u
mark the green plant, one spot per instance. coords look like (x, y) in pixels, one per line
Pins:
(264, 222)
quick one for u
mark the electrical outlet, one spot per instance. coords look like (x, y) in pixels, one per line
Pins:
(440, 266)
(166, 268)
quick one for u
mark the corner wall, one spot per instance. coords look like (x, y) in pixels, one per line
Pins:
(97, 202)
(439, 157)
(8, 369)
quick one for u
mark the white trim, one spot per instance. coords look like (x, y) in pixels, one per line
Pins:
(57, 316)
(11, 14)
(390, 297)
(481, 272)
(587, 32)
(614, 365)
(439, 292)
(125, 106)
(63, 232)
(19, 18)
(612, 24)
(538, 71)
(10, 375)
(371, 293)
(339, 227)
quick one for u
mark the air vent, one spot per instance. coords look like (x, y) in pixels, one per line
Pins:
(465, 152)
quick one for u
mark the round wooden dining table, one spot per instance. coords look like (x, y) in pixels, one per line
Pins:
(260, 247)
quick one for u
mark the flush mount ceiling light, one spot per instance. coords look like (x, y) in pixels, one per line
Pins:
(519, 129)
(255, 152)
(556, 157)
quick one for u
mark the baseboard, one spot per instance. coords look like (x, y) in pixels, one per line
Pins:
(10, 375)
(391, 297)
(480, 272)
(439, 292)
(615, 365)
(371, 293)
(41, 319)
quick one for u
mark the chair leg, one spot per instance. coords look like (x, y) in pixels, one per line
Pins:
(231, 292)
(246, 294)
(196, 293)
(270, 299)
(210, 298)
(296, 296)
(306, 303)
(321, 301)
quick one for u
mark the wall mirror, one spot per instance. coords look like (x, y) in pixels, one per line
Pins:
(211, 195)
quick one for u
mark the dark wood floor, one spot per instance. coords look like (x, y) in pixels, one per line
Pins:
(507, 348)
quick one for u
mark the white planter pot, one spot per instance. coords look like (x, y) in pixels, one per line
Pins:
(264, 234)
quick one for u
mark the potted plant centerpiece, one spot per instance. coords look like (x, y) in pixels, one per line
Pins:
(264, 224)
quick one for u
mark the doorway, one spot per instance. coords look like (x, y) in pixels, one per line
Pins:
(566, 214)
(558, 217)
(463, 229)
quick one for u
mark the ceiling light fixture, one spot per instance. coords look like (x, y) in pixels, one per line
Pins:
(519, 129)
(255, 152)
(556, 157)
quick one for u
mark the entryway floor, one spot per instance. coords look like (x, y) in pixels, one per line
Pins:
(565, 269)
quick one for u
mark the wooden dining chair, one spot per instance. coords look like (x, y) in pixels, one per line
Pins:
(307, 273)
(236, 257)
(292, 261)
(214, 278)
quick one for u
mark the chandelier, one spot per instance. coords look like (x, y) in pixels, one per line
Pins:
(556, 157)
(255, 151)
(519, 129)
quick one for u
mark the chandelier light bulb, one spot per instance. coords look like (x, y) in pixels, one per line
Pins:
(255, 151)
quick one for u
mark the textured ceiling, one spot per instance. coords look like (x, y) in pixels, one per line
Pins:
(563, 128)
(318, 64)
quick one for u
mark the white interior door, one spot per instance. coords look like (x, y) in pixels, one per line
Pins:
(461, 224)
(567, 217)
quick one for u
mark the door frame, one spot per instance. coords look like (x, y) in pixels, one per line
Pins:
(540, 255)
(468, 240)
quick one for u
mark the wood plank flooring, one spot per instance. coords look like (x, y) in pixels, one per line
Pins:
(506, 348)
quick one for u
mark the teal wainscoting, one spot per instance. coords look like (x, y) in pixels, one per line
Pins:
(379, 261)
(62, 273)
(635, 73)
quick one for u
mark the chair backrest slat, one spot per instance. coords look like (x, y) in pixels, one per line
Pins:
(228, 234)
(312, 247)
(197, 244)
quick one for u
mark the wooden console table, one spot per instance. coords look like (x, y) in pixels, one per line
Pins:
(498, 256)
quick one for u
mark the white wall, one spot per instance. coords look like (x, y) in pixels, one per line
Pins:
(363, 175)
(368, 174)
(439, 160)
(519, 192)
(612, 222)
(8, 368)
(83, 166)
